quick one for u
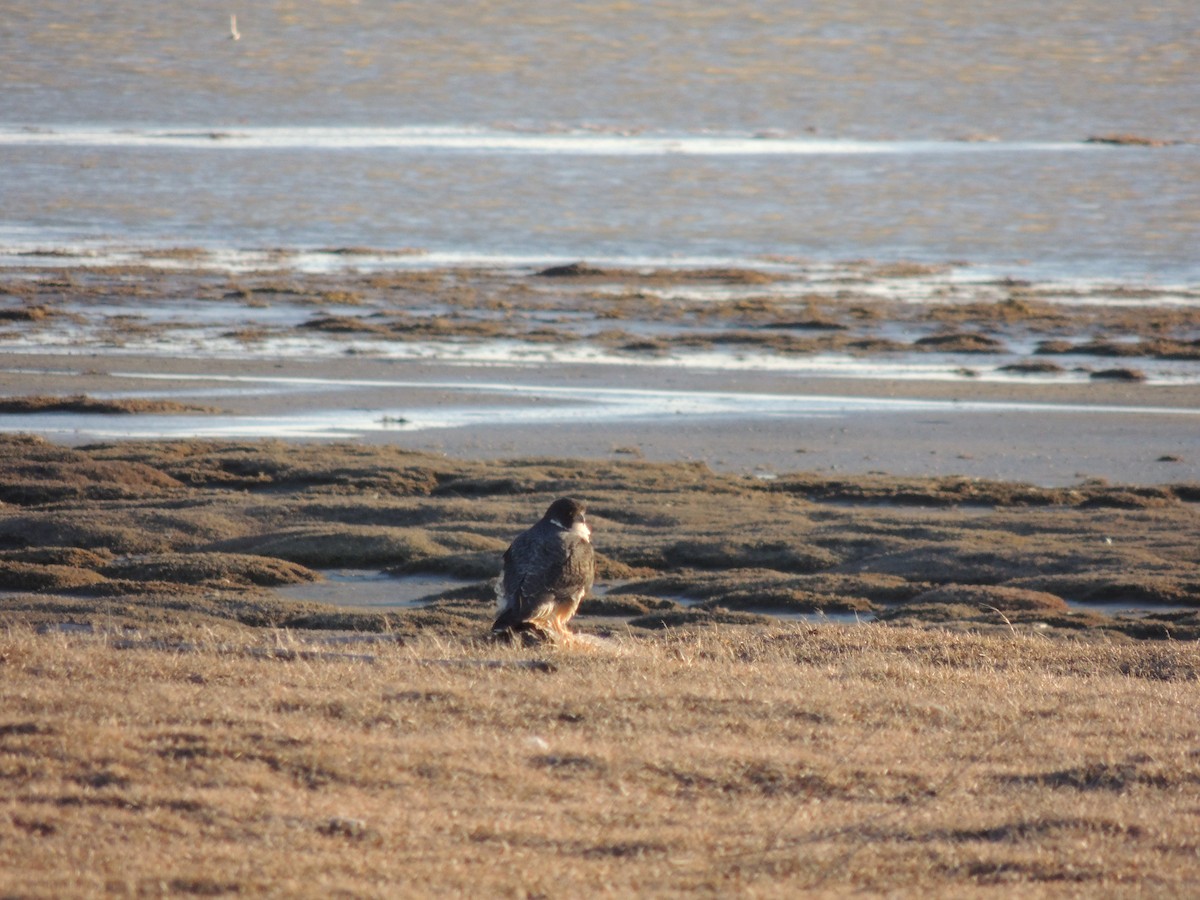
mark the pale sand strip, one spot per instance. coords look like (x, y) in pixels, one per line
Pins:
(764, 423)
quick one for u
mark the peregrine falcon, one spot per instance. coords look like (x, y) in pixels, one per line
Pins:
(546, 572)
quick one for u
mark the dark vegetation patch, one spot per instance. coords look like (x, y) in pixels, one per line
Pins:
(1108, 776)
(35, 472)
(681, 618)
(276, 466)
(783, 556)
(1018, 309)
(568, 763)
(1034, 367)
(81, 403)
(973, 559)
(765, 778)
(1157, 348)
(1013, 872)
(1167, 587)
(625, 850)
(210, 568)
(1161, 626)
(764, 589)
(25, 313)
(670, 276)
(993, 606)
(340, 546)
(1129, 140)
(571, 270)
(73, 557)
(625, 606)
(1133, 375)
(923, 491)
(173, 607)
(1031, 829)
(960, 343)
(813, 324)
(1003, 599)
(21, 576)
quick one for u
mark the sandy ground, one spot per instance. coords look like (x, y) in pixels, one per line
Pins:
(1046, 434)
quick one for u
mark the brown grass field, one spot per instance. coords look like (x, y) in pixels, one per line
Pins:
(170, 724)
(723, 762)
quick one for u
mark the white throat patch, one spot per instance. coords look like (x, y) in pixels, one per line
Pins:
(579, 528)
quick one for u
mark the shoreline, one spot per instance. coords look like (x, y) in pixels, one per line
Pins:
(1045, 434)
(907, 369)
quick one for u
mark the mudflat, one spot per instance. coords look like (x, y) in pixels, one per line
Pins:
(204, 532)
(893, 441)
(860, 368)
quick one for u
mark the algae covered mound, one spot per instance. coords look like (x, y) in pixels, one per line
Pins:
(213, 528)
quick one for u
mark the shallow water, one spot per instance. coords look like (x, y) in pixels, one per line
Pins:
(369, 589)
(909, 130)
(474, 404)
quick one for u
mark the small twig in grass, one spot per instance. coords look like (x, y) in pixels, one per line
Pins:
(1002, 616)
(536, 665)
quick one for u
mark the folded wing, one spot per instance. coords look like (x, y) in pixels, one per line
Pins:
(546, 572)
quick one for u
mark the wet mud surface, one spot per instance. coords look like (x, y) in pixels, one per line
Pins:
(187, 533)
(861, 309)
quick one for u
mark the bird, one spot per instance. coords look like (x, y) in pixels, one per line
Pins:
(546, 571)
(234, 34)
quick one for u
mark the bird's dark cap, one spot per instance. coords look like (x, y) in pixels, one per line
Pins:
(566, 511)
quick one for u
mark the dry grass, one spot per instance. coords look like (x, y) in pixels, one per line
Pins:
(727, 762)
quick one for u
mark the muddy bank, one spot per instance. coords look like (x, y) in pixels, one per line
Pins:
(857, 307)
(201, 531)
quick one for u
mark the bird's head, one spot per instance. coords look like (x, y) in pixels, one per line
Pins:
(569, 515)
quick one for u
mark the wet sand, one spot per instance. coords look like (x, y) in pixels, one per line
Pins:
(1040, 433)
